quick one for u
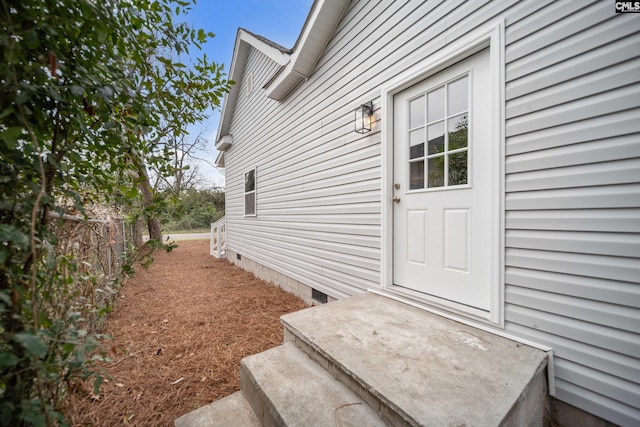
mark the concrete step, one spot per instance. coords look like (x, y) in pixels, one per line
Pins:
(419, 369)
(286, 388)
(230, 411)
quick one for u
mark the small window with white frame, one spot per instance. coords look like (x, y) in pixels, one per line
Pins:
(250, 193)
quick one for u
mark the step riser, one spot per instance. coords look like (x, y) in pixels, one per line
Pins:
(532, 409)
(258, 401)
(230, 411)
(287, 388)
(393, 416)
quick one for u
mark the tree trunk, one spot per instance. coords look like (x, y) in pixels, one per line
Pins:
(155, 228)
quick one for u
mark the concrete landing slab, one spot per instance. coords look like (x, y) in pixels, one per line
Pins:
(286, 388)
(230, 411)
(425, 368)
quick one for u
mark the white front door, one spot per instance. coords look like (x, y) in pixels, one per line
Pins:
(445, 168)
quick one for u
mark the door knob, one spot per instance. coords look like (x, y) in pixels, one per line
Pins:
(396, 199)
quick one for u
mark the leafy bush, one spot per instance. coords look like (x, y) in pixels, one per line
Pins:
(88, 90)
(194, 209)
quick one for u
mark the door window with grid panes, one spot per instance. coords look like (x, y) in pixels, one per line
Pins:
(438, 136)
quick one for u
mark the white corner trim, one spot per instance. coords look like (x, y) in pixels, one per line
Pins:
(491, 36)
(224, 142)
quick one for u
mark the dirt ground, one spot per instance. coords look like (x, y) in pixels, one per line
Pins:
(179, 331)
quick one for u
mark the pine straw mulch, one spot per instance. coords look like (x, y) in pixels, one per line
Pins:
(179, 331)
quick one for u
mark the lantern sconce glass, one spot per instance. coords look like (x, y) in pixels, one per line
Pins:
(363, 117)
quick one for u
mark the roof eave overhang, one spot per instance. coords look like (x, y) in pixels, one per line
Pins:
(296, 65)
(220, 160)
(316, 33)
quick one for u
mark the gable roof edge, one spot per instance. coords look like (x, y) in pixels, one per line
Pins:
(245, 40)
(277, 53)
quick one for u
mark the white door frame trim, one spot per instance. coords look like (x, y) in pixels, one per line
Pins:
(491, 36)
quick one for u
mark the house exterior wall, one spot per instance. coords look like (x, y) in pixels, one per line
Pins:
(572, 199)
(318, 186)
(572, 174)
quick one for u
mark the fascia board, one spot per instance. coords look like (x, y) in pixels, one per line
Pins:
(317, 30)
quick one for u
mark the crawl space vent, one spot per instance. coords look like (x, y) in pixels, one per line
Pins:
(321, 297)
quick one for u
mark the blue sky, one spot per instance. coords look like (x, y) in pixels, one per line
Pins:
(278, 20)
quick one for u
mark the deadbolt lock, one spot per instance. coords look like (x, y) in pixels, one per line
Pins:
(396, 186)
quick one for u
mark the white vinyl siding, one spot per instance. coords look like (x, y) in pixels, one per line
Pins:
(573, 200)
(319, 217)
(572, 182)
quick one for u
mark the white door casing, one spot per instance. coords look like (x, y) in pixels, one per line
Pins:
(443, 238)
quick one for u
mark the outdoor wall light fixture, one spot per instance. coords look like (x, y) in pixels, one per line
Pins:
(363, 117)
